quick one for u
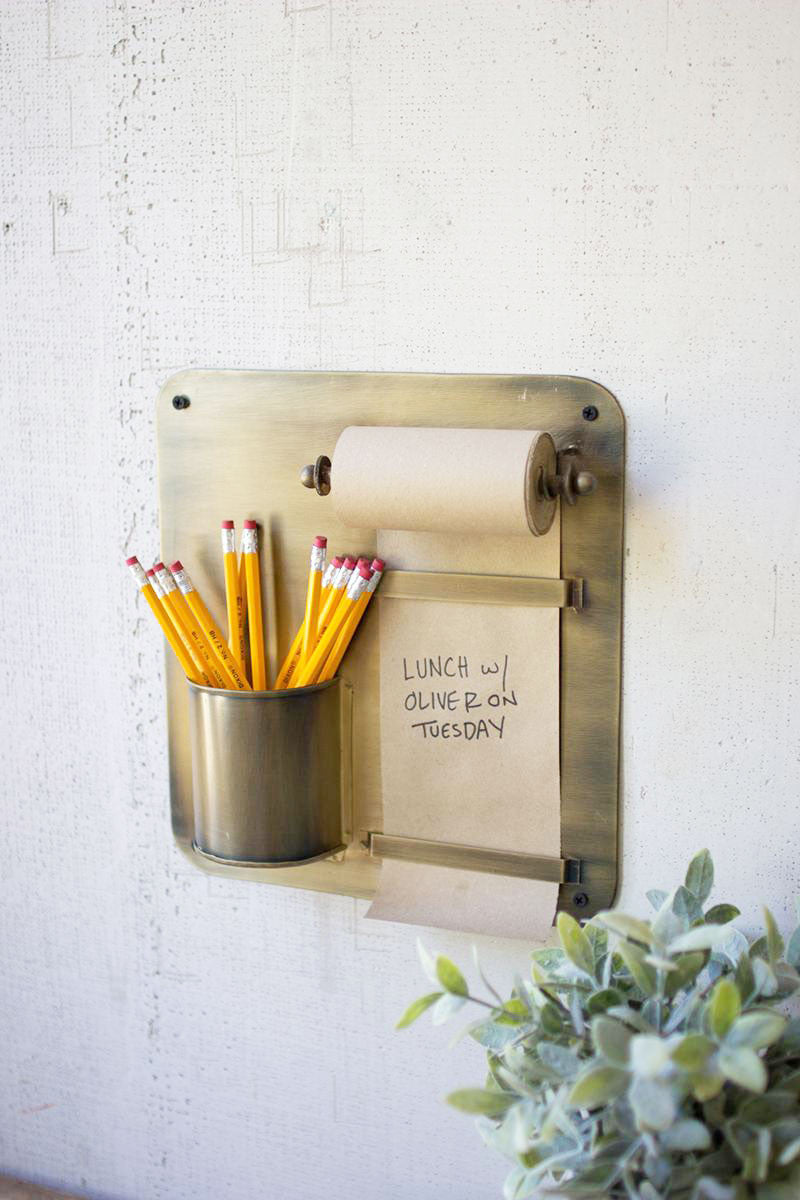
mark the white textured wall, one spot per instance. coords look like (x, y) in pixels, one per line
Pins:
(598, 188)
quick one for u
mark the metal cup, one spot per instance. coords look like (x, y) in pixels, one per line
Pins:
(266, 774)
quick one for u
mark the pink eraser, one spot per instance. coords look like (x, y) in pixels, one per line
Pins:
(152, 571)
(251, 524)
(349, 563)
(176, 566)
(337, 561)
(378, 564)
(363, 562)
(159, 566)
(130, 561)
(320, 542)
(227, 524)
(365, 572)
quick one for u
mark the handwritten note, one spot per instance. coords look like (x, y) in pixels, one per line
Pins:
(469, 748)
(429, 704)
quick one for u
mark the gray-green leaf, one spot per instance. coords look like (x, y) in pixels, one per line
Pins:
(724, 1006)
(611, 1039)
(575, 943)
(774, 939)
(743, 1066)
(653, 1104)
(634, 958)
(721, 914)
(700, 875)
(450, 977)
(693, 1051)
(416, 1009)
(626, 927)
(481, 1101)
(559, 1059)
(704, 937)
(597, 1085)
(446, 1007)
(793, 950)
(756, 1030)
(687, 1134)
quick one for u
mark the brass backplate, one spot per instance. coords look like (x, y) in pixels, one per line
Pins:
(236, 450)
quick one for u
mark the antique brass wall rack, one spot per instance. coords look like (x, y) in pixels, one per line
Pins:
(231, 443)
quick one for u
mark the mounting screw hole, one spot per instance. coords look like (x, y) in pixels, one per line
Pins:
(180, 402)
(580, 900)
(590, 412)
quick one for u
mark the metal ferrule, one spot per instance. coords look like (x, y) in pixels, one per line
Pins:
(327, 578)
(374, 581)
(137, 571)
(317, 558)
(168, 584)
(249, 541)
(357, 586)
(183, 581)
(155, 585)
(228, 541)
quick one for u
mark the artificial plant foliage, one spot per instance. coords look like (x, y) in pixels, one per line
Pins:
(646, 1059)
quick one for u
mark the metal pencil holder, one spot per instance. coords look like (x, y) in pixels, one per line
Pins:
(266, 773)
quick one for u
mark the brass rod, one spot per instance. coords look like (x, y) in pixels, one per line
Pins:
(474, 858)
(515, 590)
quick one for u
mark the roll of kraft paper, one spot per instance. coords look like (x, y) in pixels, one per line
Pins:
(469, 693)
(481, 481)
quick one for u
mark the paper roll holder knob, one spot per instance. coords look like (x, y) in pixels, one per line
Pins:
(569, 482)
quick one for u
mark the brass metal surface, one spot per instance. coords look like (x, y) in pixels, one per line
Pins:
(476, 589)
(236, 450)
(266, 770)
(473, 858)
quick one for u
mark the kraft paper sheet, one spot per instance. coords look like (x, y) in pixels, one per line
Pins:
(495, 785)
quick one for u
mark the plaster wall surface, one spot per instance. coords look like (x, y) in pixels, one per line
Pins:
(585, 187)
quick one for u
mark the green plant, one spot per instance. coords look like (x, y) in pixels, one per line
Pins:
(644, 1058)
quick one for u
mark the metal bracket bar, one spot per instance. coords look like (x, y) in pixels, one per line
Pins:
(474, 858)
(517, 590)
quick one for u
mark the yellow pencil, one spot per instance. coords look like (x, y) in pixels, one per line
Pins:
(243, 590)
(202, 654)
(179, 630)
(335, 595)
(233, 596)
(160, 615)
(252, 570)
(351, 624)
(293, 657)
(310, 670)
(315, 569)
(226, 662)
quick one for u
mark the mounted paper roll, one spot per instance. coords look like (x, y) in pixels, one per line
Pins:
(442, 480)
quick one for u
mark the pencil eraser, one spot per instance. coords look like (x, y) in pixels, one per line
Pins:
(176, 566)
(159, 566)
(349, 562)
(227, 525)
(151, 572)
(337, 561)
(130, 561)
(320, 542)
(378, 564)
(365, 572)
(363, 562)
(250, 525)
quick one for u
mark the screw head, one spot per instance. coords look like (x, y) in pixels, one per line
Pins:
(590, 412)
(580, 899)
(180, 402)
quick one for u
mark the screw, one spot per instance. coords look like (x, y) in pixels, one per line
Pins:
(581, 900)
(180, 402)
(590, 413)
